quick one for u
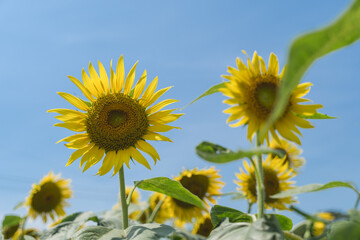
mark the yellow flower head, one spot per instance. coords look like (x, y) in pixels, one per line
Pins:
(276, 180)
(203, 226)
(318, 226)
(164, 213)
(291, 151)
(252, 91)
(49, 197)
(118, 119)
(203, 183)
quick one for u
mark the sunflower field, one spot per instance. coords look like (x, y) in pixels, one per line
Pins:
(230, 163)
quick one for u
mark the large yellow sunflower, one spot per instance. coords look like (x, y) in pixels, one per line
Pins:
(291, 154)
(276, 180)
(203, 183)
(117, 120)
(49, 197)
(252, 91)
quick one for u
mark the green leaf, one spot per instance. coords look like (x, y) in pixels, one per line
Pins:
(306, 49)
(285, 223)
(314, 188)
(219, 213)
(218, 154)
(27, 237)
(149, 231)
(182, 234)
(10, 221)
(68, 226)
(212, 90)
(344, 230)
(170, 188)
(229, 231)
(316, 115)
(97, 232)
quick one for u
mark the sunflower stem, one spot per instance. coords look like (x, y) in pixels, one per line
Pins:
(260, 180)
(156, 210)
(124, 206)
(22, 237)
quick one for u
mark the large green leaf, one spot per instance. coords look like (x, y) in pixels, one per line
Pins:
(212, 90)
(344, 230)
(218, 154)
(11, 220)
(265, 229)
(68, 226)
(285, 223)
(306, 49)
(170, 188)
(98, 232)
(219, 213)
(314, 188)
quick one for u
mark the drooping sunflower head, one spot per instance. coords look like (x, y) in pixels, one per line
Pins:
(318, 226)
(48, 198)
(203, 183)
(276, 179)
(116, 120)
(291, 154)
(252, 91)
(164, 213)
(203, 226)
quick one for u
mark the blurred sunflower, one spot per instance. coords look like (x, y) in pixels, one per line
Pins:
(291, 154)
(164, 213)
(318, 226)
(49, 197)
(276, 180)
(203, 183)
(203, 226)
(117, 121)
(252, 91)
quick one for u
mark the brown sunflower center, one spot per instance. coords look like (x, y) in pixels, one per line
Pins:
(197, 185)
(116, 122)
(205, 228)
(47, 198)
(271, 184)
(265, 94)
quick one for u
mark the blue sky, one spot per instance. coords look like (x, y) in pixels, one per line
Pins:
(188, 44)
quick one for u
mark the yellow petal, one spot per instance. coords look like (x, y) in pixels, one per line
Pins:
(255, 63)
(104, 78)
(148, 148)
(73, 137)
(166, 119)
(98, 155)
(108, 163)
(161, 128)
(83, 89)
(89, 84)
(77, 102)
(76, 127)
(137, 156)
(88, 155)
(155, 96)
(149, 91)
(273, 65)
(78, 143)
(160, 105)
(122, 156)
(78, 153)
(155, 137)
(139, 88)
(120, 74)
(96, 79)
(129, 82)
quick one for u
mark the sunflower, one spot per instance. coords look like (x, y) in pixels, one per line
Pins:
(117, 119)
(291, 154)
(252, 91)
(276, 180)
(203, 183)
(164, 213)
(49, 197)
(203, 226)
(318, 226)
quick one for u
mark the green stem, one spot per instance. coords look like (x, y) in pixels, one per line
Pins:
(124, 206)
(249, 208)
(22, 237)
(291, 236)
(128, 200)
(156, 210)
(260, 181)
(357, 202)
(305, 215)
